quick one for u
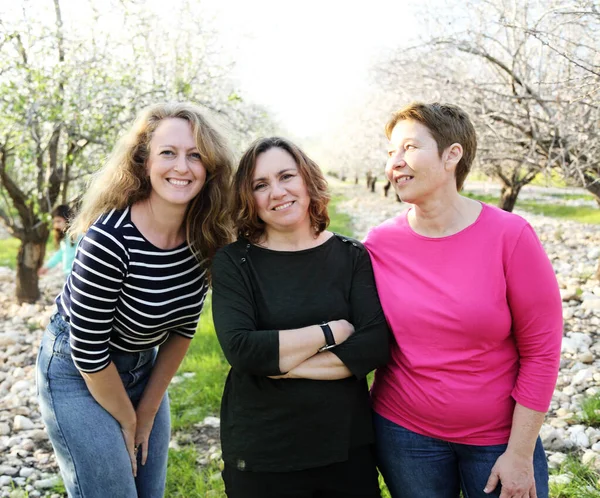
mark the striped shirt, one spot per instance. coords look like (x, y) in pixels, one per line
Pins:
(125, 294)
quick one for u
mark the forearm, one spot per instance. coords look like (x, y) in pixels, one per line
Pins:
(321, 366)
(170, 355)
(107, 389)
(526, 425)
(298, 345)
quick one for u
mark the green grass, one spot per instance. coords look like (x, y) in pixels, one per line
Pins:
(187, 479)
(8, 252)
(584, 481)
(199, 396)
(580, 214)
(590, 411)
(340, 222)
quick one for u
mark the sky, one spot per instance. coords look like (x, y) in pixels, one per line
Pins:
(305, 60)
(308, 60)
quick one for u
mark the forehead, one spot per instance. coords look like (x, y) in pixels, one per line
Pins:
(173, 131)
(409, 128)
(272, 161)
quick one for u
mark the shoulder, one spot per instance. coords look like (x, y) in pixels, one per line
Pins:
(502, 222)
(349, 242)
(235, 251)
(108, 230)
(382, 232)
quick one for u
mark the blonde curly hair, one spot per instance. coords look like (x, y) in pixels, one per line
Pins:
(124, 180)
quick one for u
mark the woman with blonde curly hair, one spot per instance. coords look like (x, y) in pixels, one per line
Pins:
(297, 315)
(152, 219)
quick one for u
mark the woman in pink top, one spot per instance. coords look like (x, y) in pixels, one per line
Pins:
(473, 303)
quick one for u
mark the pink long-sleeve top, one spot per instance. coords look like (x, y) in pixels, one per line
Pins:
(477, 322)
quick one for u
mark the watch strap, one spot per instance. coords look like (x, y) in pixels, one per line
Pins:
(329, 339)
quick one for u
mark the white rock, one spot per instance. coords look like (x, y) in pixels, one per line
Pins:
(7, 470)
(591, 304)
(583, 376)
(47, 483)
(4, 429)
(26, 472)
(22, 423)
(5, 481)
(212, 421)
(556, 460)
(20, 385)
(8, 339)
(561, 478)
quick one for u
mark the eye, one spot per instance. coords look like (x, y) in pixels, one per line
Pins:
(195, 156)
(391, 153)
(166, 153)
(287, 176)
(409, 147)
(259, 186)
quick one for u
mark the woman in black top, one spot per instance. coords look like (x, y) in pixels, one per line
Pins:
(298, 317)
(151, 220)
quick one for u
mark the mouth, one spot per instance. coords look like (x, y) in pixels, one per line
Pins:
(179, 183)
(282, 206)
(403, 179)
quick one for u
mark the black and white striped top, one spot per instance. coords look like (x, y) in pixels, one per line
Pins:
(126, 294)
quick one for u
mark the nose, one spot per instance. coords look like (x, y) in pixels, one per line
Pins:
(397, 160)
(181, 165)
(277, 190)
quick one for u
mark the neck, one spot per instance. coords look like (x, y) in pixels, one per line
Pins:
(444, 215)
(290, 240)
(161, 225)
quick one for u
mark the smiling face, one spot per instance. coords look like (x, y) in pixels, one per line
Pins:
(176, 171)
(414, 166)
(279, 191)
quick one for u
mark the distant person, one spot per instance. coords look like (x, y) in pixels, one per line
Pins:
(475, 311)
(64, 244)
(153, 219)
(297, 315)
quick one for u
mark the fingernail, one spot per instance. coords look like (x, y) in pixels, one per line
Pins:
(486, 490)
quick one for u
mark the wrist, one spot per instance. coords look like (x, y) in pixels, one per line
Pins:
(328, 336)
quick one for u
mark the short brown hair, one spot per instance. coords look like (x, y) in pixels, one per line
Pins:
(247, 222)
(447, 124)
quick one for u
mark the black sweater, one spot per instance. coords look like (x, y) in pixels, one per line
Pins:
(278, 425)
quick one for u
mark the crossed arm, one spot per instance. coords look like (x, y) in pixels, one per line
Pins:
(283, 354)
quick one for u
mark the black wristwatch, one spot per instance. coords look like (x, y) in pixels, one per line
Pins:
(329, 339)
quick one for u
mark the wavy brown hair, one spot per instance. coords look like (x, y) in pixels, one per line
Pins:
(245, 215)
(124, 180)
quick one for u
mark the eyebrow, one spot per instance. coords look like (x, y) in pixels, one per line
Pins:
(263, 178)
(176, 147)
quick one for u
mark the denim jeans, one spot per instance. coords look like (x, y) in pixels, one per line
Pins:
(416, 466)
(87, 440)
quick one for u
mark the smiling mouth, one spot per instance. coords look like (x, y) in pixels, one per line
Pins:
(179, 183)
(404, 179)
(283, 206)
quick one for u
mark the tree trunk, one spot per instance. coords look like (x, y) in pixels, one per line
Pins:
(508, 197)
(594, 189)
(30, 258)
(373, 182)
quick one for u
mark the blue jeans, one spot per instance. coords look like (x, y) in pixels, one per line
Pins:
(87, 440)
(416, 466)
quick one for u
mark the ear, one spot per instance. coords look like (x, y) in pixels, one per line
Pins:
(452, 155)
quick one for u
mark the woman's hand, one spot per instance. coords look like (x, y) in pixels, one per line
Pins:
(145, 422)
(129, 437)
(342, 329)
(515, 473)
